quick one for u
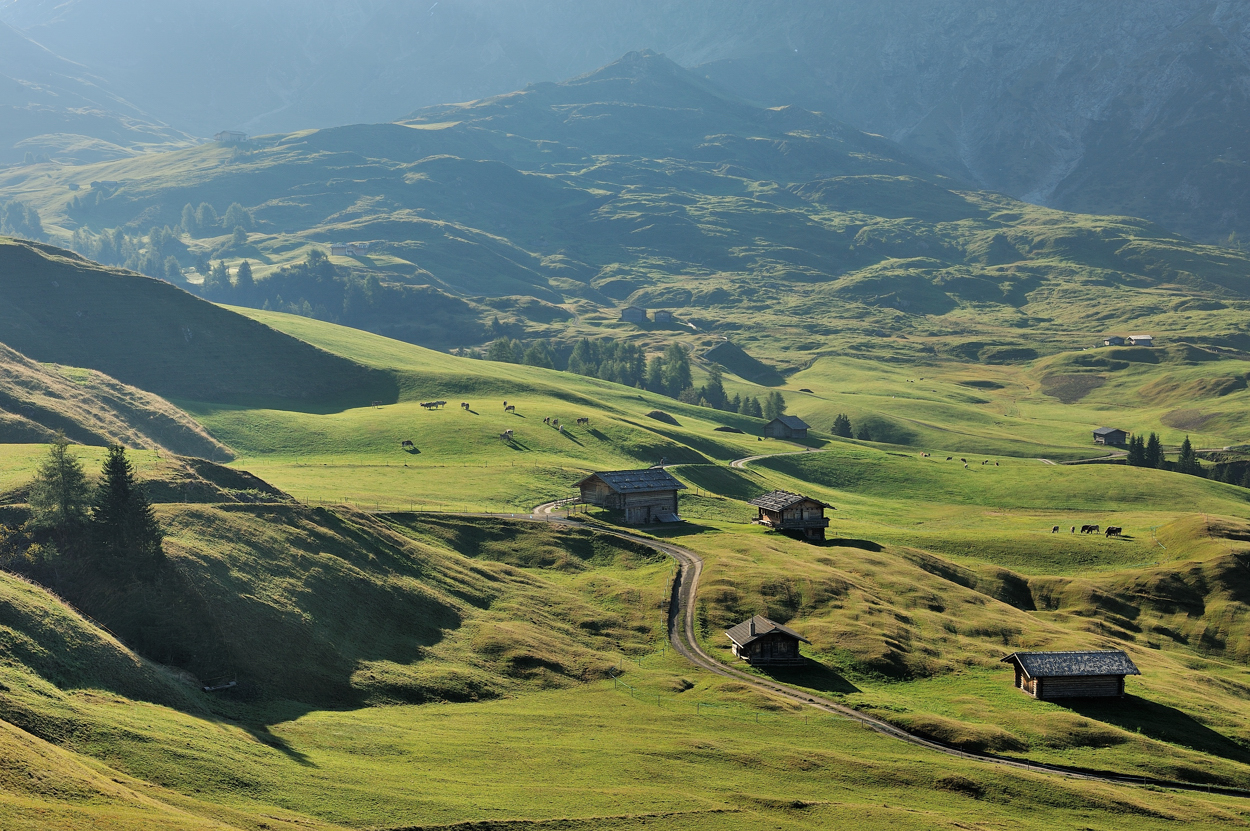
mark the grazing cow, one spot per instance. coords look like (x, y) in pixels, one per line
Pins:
(986, 462)
(406, 443)
(948, 458)
(511, 408)
(1073, 529)
(1114, 530)
(996, 464)
(506, 435)
(962, 459)
(965, 465)
(1054, 530)
(547, 420)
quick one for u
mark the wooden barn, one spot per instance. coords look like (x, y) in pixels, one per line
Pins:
(1113, 340)
(1110, 436)
(662, 316)
(786, 427)
(759, 641)
(644, 495)
(785, 511)
(634, 314)
(1048, 675)
(1140, 340)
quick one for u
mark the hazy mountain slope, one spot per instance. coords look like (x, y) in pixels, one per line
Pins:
(1126, 107)
(91, 408)
(55, 108)
(641, 182)
(59, 308)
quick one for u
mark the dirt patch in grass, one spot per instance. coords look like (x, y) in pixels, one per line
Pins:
(1187, 419)
(1071, 387)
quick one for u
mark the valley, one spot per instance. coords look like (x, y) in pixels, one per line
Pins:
(378, 597)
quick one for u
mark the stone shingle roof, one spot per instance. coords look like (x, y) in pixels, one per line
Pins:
(780, 500)
(793, 422)
(1054, 664)
(741, 634)
(1103, 431)
(633, 481)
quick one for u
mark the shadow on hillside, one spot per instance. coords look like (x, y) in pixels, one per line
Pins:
(596, 433)
(847, 542)
(813, 675)
(1160, 722)
(262, 735)
(571, 438)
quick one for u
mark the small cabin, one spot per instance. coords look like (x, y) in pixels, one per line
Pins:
(784, 511)
(1049, 675)
(338, 249)
(230, 137)
(1114, 340)
(1140, 340)
(634, 314)
(645, 496)
(1110, 436)
(786, 427)
(357, 248)
(662, 316)
(759, 641)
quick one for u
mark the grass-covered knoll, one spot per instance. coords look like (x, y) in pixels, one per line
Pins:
(551, 206)
(90, 407)
(56, 307)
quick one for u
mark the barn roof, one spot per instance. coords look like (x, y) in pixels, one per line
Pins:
(793, 422)
(1105, 431)
(1052, 664)
(780, 500)
(741, 634)
(633, 481)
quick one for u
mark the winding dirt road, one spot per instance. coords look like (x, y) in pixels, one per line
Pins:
(681, 632)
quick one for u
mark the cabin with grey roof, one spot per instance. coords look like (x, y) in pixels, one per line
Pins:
(1050, 675)
(792, 512)
(786, 427)
(761, 641)
(645, 496)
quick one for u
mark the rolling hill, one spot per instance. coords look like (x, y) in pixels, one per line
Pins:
(642, 183)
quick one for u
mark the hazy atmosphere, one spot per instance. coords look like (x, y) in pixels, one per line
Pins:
(518, 414)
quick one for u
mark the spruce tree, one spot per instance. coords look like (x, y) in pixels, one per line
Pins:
(124, 527)
(189, 225)
(244, 283)
(1187, 462)
(863, 434)
(1136, 451)
(774, 405)
(842, 426)
(59, 494)
(1245, 479)
(1154, 451)
(753, 408)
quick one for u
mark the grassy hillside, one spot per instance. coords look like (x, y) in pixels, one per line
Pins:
(550, 207)
(56, 307)
(91, 408)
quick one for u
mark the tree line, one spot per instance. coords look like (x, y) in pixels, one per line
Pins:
(17, 219)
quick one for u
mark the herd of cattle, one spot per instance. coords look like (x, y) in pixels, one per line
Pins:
(1112, 530)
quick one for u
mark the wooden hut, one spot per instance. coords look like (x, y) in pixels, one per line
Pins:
(786, 427)
(1048, 675)
(785, 511)
(634, 314)
(1140, 340)
(1113, 340)
(1110, 436)
(759, 641)
(662, 316)
(644, 495)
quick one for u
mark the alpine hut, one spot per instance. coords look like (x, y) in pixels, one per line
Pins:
(1048, 675)
(1111, 435)
(644, 495)
(634, 314)
(785, 511)
(760, 641)
(786, 427)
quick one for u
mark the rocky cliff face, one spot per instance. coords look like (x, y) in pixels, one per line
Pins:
(1137, 107)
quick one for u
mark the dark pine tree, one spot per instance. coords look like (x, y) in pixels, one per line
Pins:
(842, 426)
(124, 527)
(1137, 451)
(1154, 451)
(1187, 461)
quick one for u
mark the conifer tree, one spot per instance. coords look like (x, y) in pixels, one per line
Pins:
(1154, 451)
(1245, 479)
(842, 426)
(1136, 451)
(189, 225)
(1187, 462)
(774, 405)
(59, 494)
(863, 434)
(124, 527)
(243, 281)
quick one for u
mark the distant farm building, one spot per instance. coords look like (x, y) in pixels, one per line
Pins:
(1048, 675)
(644, 495)
(759, 641)
(338, 249)
(1140, 340)
(784, 511)
(357, 248)
(1114, 340)
(634, 314)
(786, 427)
(230, 137)
(348, 249)
(1110, 436)
(662, 316)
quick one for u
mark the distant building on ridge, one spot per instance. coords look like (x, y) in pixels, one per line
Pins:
(1140, 340)
(662, 316)
(1114, 340)
(230, 137)
(634, 314)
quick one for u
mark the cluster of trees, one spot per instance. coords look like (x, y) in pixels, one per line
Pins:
(617, 361)
(204, 221)
(158, 254)
(111, 526)
(842, 427)
(17, 219)
(1148, 452)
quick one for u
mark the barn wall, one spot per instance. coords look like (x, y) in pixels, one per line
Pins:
(1090, 686)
